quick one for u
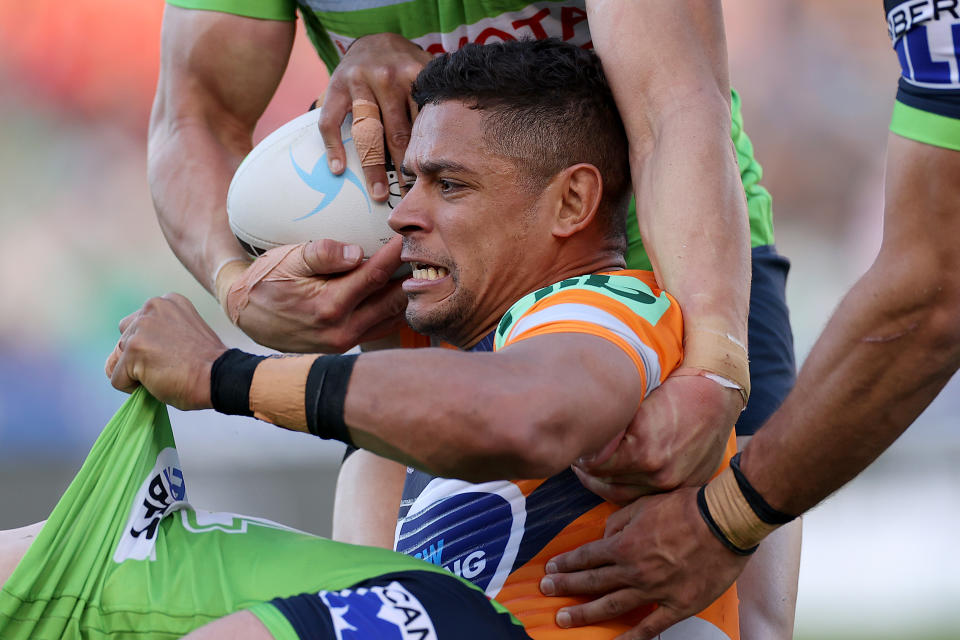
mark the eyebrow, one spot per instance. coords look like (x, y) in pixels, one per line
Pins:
(433, 167)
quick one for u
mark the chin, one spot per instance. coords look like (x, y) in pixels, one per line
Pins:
(443, 323)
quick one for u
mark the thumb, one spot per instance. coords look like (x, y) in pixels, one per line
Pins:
(654, 624)
(324, 257)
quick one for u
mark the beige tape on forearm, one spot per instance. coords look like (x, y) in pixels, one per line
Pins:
(720, 354)
(278, 389)
(367, 132)
(227, 274)
(732, 512)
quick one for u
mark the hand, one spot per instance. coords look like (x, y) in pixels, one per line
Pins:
(676, 438)
(318, 297)
(379, 68)
(168, 348)
(657, 550)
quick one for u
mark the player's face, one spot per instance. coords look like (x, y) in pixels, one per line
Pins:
(477, 239)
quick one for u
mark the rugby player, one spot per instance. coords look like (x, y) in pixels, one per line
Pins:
(666, 60)
(515, 228)
(124, 555)
(889, 349)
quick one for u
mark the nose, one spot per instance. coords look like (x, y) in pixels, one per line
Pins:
(411, 214)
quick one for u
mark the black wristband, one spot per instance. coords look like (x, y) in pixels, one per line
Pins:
(325, 395)
(760, 506)
(714, 529)
(230, 380)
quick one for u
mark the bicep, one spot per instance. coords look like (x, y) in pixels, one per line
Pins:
(589, 385)
(219, 69)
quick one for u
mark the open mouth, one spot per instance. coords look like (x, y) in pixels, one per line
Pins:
(422, 271)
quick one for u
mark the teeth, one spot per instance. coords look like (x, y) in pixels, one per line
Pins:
(427, 272)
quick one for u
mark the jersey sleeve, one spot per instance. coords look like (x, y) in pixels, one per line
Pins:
(926, 39)
(262, 9)
(624, 308)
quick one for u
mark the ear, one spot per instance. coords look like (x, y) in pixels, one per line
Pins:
(579, 189)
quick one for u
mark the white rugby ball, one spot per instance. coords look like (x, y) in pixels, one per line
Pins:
(284, 193)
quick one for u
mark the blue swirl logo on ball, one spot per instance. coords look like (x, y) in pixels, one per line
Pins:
(320, 179)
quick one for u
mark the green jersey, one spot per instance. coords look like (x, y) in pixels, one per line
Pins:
(440, 26)
(124, 554)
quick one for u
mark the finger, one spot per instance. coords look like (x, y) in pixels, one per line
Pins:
(588, 556)
(384, 328)
(120, 379)
(618, 520)
(112, 360)
(603, 454)
(608, 607)
(619, 493)
(661, 619)
(601, 580)
(387, 257)
(336, 105)
(381, 313)
(324, 257)
(367, 131)
(397, 124)
(377, 183)
(348, 291)
(128, 320)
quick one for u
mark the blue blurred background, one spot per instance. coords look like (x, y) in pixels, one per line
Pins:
(80, 248)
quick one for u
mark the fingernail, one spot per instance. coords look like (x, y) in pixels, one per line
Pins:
(352, 253)
(547, 587)
(379, 190)
(551, 567)
(336, 166)
(563, 619)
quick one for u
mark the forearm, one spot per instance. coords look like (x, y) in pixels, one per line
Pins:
(880, 361)
(217, 74)
(691, 208)
(692, 216)
(472, 416)
(189, 173)
(889, 349)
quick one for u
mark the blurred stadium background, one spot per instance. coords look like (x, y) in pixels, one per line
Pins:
(80, 248)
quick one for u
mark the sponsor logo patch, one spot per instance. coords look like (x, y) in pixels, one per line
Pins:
(163, 492)
(472, 531)
(385, 613)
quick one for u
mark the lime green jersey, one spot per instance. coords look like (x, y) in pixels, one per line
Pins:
(124, 555)
(438, 26)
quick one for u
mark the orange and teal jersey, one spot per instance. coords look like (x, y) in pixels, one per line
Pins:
(500, 535)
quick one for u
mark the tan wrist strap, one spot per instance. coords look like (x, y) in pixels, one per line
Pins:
(732, 513)
(278, 390)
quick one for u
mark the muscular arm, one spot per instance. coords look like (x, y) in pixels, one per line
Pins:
(888, 350)
(217, 75)
(526, 411)
(666, 63)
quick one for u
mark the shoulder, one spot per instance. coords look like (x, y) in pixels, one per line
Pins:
(630, 298)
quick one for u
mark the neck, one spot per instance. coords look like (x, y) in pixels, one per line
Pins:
(564, 267)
